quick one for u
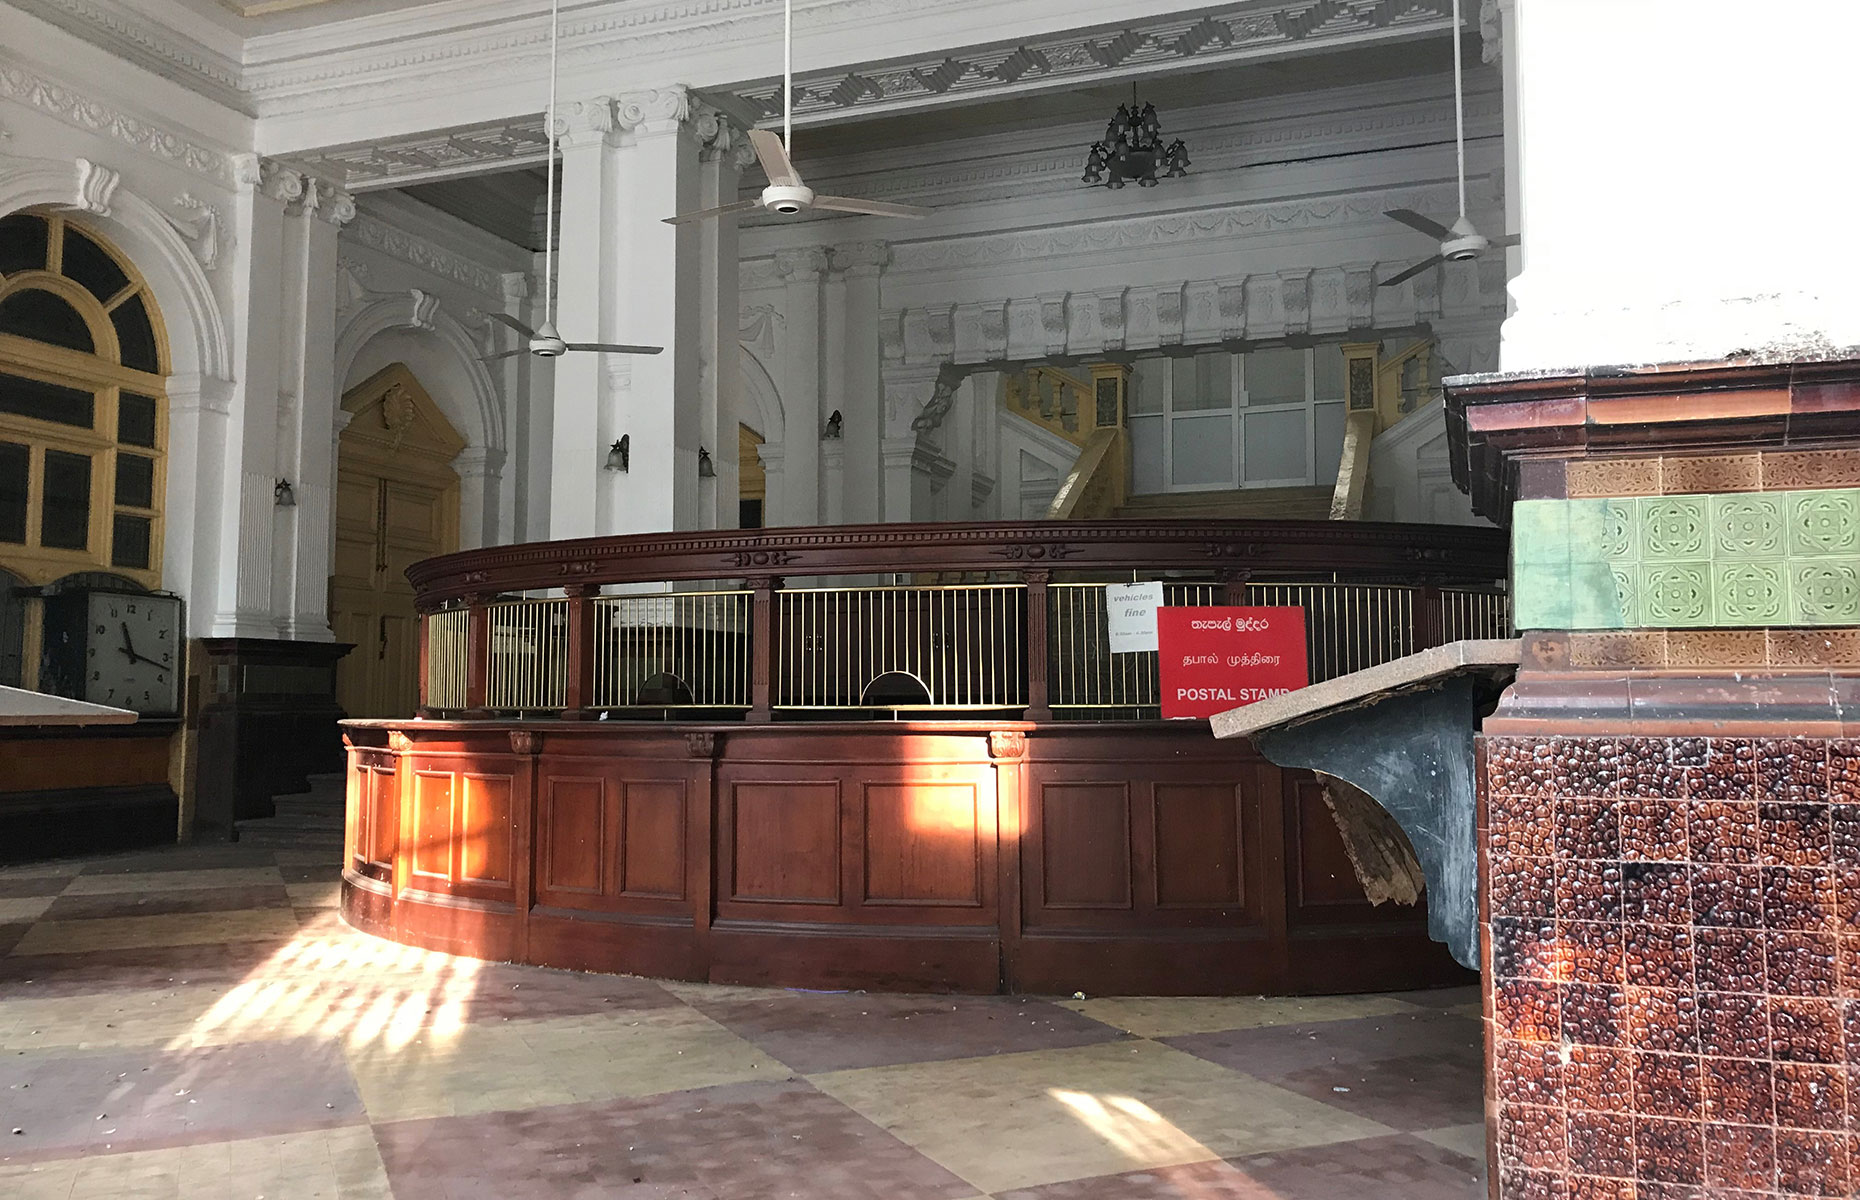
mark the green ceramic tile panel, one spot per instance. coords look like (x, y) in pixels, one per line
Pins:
(1750, 560)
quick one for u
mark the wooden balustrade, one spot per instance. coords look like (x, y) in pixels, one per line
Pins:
(523, 629)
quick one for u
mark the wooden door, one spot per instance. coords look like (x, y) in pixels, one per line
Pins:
(397, 502)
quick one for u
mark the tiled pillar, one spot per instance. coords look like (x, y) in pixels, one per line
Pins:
(1670, 791)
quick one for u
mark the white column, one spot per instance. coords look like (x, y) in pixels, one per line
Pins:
(480, 470)
(1650, 235)
(833, 482)
(726, 151)
(585, 260)
(798, 360)
(862, 404)
(775, 500)
(908, 391)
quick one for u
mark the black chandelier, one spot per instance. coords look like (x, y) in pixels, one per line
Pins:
(1133, 149)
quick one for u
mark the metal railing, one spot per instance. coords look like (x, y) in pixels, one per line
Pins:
(448, 653)
(948, 647)
(1347, 626)
(528, 666)
(1085, 676)
(1466, 614)
(673, 650)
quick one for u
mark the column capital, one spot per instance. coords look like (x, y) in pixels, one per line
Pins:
(585, 122)
(722, 139)
(324, 199)
(862, 258)
(478, 462)
(269, 178)
(657, 110)
(803, 263)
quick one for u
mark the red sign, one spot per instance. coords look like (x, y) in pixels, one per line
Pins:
(1215, 659)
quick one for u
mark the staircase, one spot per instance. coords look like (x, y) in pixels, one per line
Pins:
(1268, 504)
(307, 821)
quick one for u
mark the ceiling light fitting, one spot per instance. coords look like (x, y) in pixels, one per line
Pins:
(621, 452)
(706, 470)
(283, 496)
(1133, 149)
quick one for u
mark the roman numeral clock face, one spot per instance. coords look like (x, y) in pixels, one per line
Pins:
(133, 653)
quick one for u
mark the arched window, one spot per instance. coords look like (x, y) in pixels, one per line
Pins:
(83, 408)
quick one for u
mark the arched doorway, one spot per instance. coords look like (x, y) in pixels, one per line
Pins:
(397, 501)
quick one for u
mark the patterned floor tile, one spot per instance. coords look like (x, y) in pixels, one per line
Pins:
(481, 1068)
(1173, 1016)
(310, 872)
(66, 1106)
(317, 1165)
(178, 858)
(323, 894)
(1468, 1141)
(80, 906)
(1281, 1052)
(746, 1141)
(813, 1032)
(141, 966)
(1387, 1168)
(17, 909)
(1215, 1180)
(1420, 1092)
(144, 882)
(1017, 1120)
(176, 929)
(9, 937)
(49, 884)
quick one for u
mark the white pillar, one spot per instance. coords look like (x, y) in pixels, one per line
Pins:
(798, 359)
(862, 403)
(726, 151)
(775, 499)
(479, 469)
(908, 390)
(1650, 233)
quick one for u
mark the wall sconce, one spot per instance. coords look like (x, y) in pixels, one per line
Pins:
(834, 425)
(283, 496)
(705, 469)
(621, 452)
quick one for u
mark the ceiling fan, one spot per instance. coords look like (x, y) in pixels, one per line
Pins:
(543, 341)
(786, 195)
(1460, 241)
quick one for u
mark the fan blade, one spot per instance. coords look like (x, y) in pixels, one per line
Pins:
(708, 213)
(774, 158)
(505, 354)
(1411, 272)
(1510, 239)
(610, 348)
(1415, 220)
(507, 319)
(871, 208)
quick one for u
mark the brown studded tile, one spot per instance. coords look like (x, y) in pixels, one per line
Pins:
(1595, 949)
(1669, 1151)
(1849, 1016)
(1729, 960)
(1520, 766)
(1653, 773)
(1523, 887)
(1588, 891)
(1844, 770)
(1519, 1183)
(1528, 1072)
(1594, 1014)
(1658, 956)
(1596, 1187)
(1601, 1144)
(1667, 1085)
(1654, 830)
(1733, 1025)
(1795, 835)
(1804, 1029)
(1656, 892)
(1845, 887)
(1739, 1091)
(1799, 899)
(1811, 1096)
(1725, 771)
(1524, 949)
(1507, 838)
(1589, 767)
(1526, 1010)
(1663, 1019)
(1792, 770)
(1598, 1079)
(1726, 896)
(1811, 1164)
(1802, 964)
(1740, 1156)
(1844, 835)
(1723, 831)
(1589, 827)
(1532, 1136)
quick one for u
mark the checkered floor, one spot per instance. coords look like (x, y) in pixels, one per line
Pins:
(198, 1023)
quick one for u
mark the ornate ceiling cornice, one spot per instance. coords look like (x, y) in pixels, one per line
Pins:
(26, 86)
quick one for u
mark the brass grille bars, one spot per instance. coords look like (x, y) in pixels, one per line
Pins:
(448, 650)
(675, 650)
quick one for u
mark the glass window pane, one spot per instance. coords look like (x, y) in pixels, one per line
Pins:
(1203, 383)
(1201, 451)
(135, 481)
(1146, 385)
(22, 243)
(65, 521)
(135, 420)
(129, 544)
(24, 397)
(1275, 377)
(1275, 446)
(1146, 456)
(1329, 372)
(87, 263)
(1328, 430)
(136, 336)
(15, 483)
(43, 317)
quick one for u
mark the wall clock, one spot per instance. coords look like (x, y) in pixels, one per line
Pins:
(123, 649)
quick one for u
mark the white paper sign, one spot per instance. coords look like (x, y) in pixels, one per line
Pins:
(1130, 616)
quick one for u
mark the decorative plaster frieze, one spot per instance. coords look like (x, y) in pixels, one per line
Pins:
(378, 235)
(861, 258)
(147, 42)
(203, 229)
(803, 264)
(428, 156)
(75, 108)
(95, 185)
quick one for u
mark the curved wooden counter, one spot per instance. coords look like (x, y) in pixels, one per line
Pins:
(1136, 857)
